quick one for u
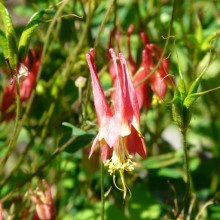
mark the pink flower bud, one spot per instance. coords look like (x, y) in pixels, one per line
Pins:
(45, 208)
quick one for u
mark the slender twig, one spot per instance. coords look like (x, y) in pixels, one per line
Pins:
(191, 206)
(70, 61)
(16, 126)
(115, 14)
(111, 3)
(188, 181)
(102, 191)
(210, 202)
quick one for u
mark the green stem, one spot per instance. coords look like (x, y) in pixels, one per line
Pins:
(102, 191)
(70, 61)
(14, 134)
(188, 181)
(111, 3)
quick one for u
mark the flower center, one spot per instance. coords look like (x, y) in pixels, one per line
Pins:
(121, 160)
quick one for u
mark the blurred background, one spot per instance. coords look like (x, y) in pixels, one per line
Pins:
(50, 147)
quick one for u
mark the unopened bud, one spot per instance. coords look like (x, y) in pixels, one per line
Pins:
(45, 208)
(80, 82)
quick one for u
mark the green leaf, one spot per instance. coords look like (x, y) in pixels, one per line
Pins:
(10, 36)
(75, 131)
(192, 94)
(170, 173)
(199, 31)
(82, 140)
(34, 22)
(162, 160)
(143, 204)
(4, 44)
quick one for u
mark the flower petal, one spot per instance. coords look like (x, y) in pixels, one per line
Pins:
(94, 144)
(110, 130)
(101, 105)
(121, 100)
(106, 152)
(131, 106)
(136, 144)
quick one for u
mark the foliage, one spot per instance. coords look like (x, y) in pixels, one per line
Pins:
(48, 134)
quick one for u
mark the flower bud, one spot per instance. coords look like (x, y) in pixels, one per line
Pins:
(45, 208)
(80, 82)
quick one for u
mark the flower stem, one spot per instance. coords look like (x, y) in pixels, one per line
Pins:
(188, 181)
(14, 135)
(123, 184)
(102, 191)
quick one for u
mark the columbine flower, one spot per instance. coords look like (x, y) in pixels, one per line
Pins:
(119, 128)
(142, 90)
(151, 53)
(159, 80)
(27, 74)
(45, 209)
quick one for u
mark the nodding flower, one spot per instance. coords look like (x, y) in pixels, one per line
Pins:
(45, 209)
(158, 82)
(119, 133)
(27, 74)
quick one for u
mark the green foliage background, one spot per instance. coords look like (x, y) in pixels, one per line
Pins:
(58, 115)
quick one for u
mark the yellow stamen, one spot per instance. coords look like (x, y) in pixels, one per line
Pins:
(121, 160)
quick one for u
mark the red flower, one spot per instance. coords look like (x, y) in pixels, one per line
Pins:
(142, 91)
(45, 209)
(159, 80)
(119, 128)
(27, 74)
(130, 58)
(150, 56)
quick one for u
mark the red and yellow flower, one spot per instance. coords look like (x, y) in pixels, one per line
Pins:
(119, 133)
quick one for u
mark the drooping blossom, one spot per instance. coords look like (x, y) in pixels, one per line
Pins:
(158, 82)
(160, 79)
(119, 133)
(27, 74)
(45, 208)
(111, 64)
(143, 90)
(130, 57)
